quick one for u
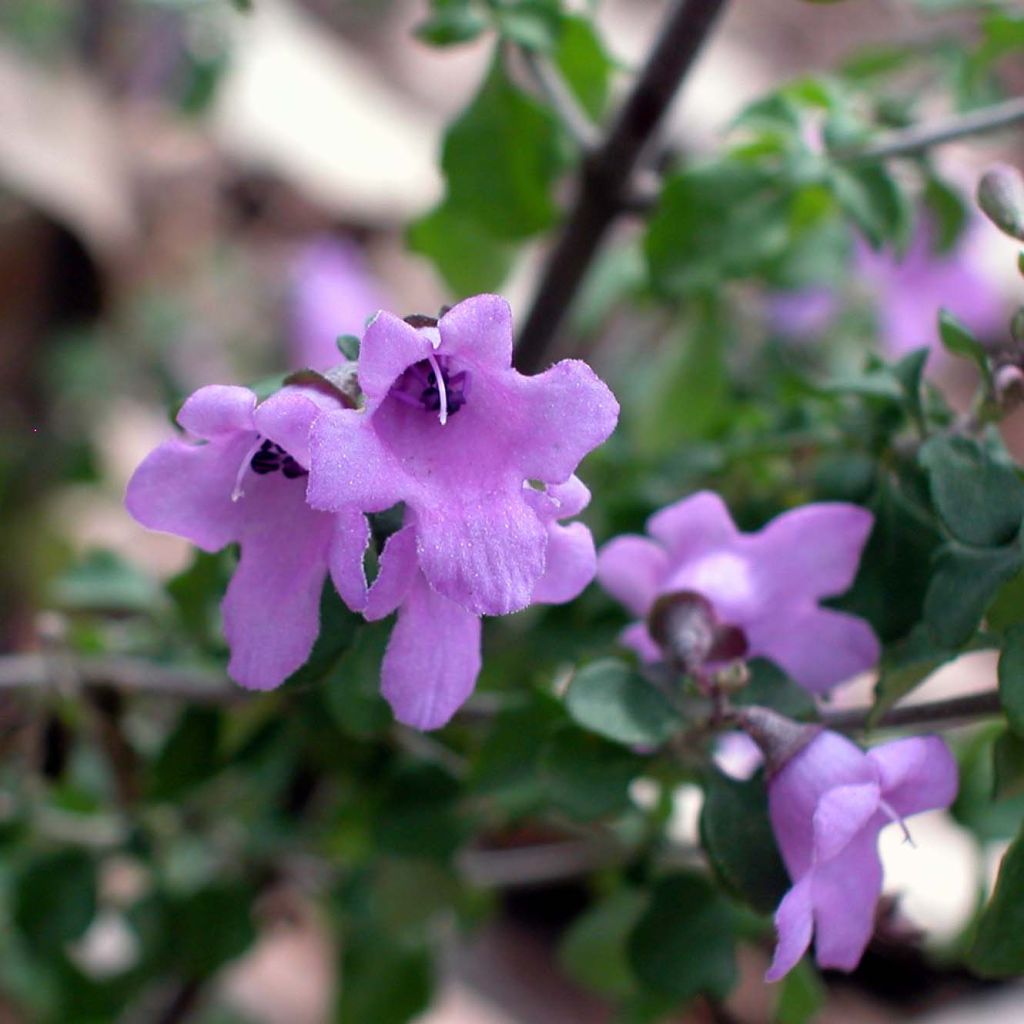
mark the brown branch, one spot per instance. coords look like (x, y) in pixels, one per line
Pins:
(952, 711)
(607, 173)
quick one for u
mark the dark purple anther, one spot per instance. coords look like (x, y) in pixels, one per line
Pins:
(418, 386)
(272, 457)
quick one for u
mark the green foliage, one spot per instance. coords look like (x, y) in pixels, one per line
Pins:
(613, 700)
(586, 776)
(1011, 678)
(736, 834)
(593, 951)
(683, 944)
(55, 900)
(801, 995)
(998, 949)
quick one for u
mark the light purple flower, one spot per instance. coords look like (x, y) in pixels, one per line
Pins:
(451, 430)
(907, 292)
(242, 478)
(331, 293)
(828, 803)
(767, 584)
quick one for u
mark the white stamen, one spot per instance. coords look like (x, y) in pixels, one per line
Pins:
(897, 820)
(236, 492)
(442, 393)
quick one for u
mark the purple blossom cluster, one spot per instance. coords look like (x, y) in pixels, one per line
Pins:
(481, 457)
(828, 800)
(482, 462)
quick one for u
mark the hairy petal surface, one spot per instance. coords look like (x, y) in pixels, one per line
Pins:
(917, 774)
(432, 660)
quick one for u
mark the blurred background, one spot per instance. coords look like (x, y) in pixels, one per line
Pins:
(194, 194)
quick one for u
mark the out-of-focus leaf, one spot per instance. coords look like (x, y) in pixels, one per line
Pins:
(103, 581)
(958, 339)
(586, 776)
(905, 665)
(593, 951)
(452, 23)
(1007, 766)
(998, 949)
(532, 24)
(584, 64)
(736, 834)
(875, 203)
(613, 700)
(770, 687)
(382, 980)
(419, 816)
(208, 928)
(964, 583)
(55, 900)
(466, 256)
(802, 994)
(974, 807)
(190, 756)
(683, 944)
(948, 212)
(981, 501)
(1011, 677)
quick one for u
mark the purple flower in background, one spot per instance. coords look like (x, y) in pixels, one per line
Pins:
(243, 479)
(907, 293)
(828, 803)
(451, 430)
(767, 584)
(332, 293)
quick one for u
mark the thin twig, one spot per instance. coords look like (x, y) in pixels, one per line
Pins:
(919, 137)
(939, 712)
(561, 99)
(606, 175)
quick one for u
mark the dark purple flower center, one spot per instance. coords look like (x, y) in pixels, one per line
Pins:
(419, 386)
(272, 457)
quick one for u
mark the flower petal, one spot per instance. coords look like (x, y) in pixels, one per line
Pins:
(389, 347)
(486, 552)
(817, 647)
(561, 415)
(794, 922)
(812, 551)
(917, 774)
(841, 814)
(217, 410)
(432, 659)
(845, 895)
(694, 526)
(479, 331)
(287, 417)
(398, 571)
(272, 606)
(573, 497)
(349, 539)
(631, 569)
(636, 638)
(350, 466)
(570, 565)
(186, 489)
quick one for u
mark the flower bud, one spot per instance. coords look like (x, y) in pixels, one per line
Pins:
(779, 738)
(1001, 197)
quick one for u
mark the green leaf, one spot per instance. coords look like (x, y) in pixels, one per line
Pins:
(963, 585)
(452, 24)
(905, 665)
(1008, 607)
(737, 836)
(500, 159)
(466, 256)
(980, 500)
(958, 339)
(770, 687)
(352, 688)
(683, 945)
(348, 346)
(581, 58)
(948, 212)
(208, 928)
(801, 996)
(974, 807)
(593, 951)
(713, 223)
(386, 982)
(190, 756)
(615, 701)
(104, 582)
(1007, 766)
(532, 24)
(55, 900)
(586, 776)
(998, 949)
(875, 203)
(1011, 678)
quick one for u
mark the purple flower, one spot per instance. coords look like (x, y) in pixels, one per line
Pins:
(332, 293)
(828, 803)
(767, 584)
(451, 430)
(483, 460)
(244, 480)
